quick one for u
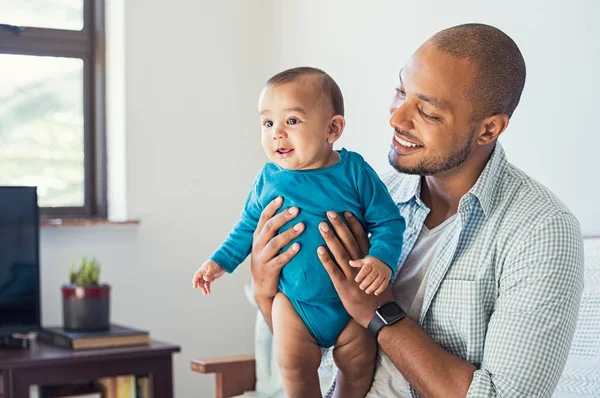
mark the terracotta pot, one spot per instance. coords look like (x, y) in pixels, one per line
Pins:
(86, 308)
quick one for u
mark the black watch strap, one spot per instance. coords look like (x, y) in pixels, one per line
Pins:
(380, 319)
(376, 325)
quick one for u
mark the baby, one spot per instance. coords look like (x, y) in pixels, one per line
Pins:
(302, 115)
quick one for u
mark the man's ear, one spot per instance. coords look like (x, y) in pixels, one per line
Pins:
(491, 128)
(336, 128)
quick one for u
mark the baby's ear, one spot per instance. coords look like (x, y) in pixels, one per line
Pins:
(336, 128)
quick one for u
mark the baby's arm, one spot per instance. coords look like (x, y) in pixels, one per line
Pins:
(382, 220)
(236, 247)
(238, 244)
(374, 275)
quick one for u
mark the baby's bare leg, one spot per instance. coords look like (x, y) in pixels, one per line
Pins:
(298, 353)
(354, 354)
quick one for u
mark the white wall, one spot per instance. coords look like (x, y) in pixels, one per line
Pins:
(192, 85)
(553, 135)
(193, 73)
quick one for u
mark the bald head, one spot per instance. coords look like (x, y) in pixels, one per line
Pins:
(498, 83)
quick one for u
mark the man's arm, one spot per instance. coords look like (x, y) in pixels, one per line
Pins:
(429, 369)
(414, 353)
(529, 334)
(265, 306)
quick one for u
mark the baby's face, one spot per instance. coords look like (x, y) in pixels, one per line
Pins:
(295, 122)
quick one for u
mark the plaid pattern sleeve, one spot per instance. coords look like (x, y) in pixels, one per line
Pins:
(530, 331)
(503, 292)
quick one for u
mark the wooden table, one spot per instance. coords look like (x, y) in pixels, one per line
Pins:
(44, 364)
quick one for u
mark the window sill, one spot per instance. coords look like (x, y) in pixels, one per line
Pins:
(82, 222)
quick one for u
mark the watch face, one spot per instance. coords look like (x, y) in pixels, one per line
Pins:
(391, 311)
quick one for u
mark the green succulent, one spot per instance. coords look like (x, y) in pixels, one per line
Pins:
(88, 272)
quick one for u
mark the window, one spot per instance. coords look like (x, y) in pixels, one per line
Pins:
(52, 103)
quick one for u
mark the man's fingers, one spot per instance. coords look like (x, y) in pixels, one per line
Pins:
(358, 232)
(268, 212)
(280, 241)
(345, 235)
(337, 250)
(271, 226)
(330, 266)
(281, 260)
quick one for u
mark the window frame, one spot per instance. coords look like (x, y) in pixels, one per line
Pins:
(88, 45)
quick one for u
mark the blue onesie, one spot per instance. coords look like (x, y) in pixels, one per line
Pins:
(348, 185)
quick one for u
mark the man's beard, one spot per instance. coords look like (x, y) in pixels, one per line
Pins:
(436, 165)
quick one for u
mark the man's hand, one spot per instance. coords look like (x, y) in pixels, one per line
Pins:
(266, 261)
(352, 244)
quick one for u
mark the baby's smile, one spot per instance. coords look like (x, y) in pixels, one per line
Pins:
(284, 152)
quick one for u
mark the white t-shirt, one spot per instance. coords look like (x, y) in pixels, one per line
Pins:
(409, 289)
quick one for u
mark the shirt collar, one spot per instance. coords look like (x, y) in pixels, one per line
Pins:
(486, 187)
(412, 189)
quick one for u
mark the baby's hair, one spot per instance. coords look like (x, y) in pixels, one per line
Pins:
(326, 85)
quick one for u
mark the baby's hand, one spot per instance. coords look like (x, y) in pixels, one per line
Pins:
(206, 274)
(374, 275)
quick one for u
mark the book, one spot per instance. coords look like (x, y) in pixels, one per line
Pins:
(72, 390)
(107, 387)
(126, 386)
(143, 387)
(123, 386)
(115, 336)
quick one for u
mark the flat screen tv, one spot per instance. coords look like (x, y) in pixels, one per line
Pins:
(19, 260)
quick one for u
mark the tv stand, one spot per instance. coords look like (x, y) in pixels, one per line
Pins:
(44, 364)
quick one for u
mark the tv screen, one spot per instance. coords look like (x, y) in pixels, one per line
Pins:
(19, 260)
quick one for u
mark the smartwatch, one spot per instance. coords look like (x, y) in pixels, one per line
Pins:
(385, 315)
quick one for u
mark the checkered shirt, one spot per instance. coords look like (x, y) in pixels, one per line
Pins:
(504, 291)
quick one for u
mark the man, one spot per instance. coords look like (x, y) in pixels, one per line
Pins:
(492, 267)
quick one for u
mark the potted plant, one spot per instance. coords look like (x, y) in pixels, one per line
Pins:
(86, 303)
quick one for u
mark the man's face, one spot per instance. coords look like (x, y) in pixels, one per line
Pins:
(295, 126)
(431, 115)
